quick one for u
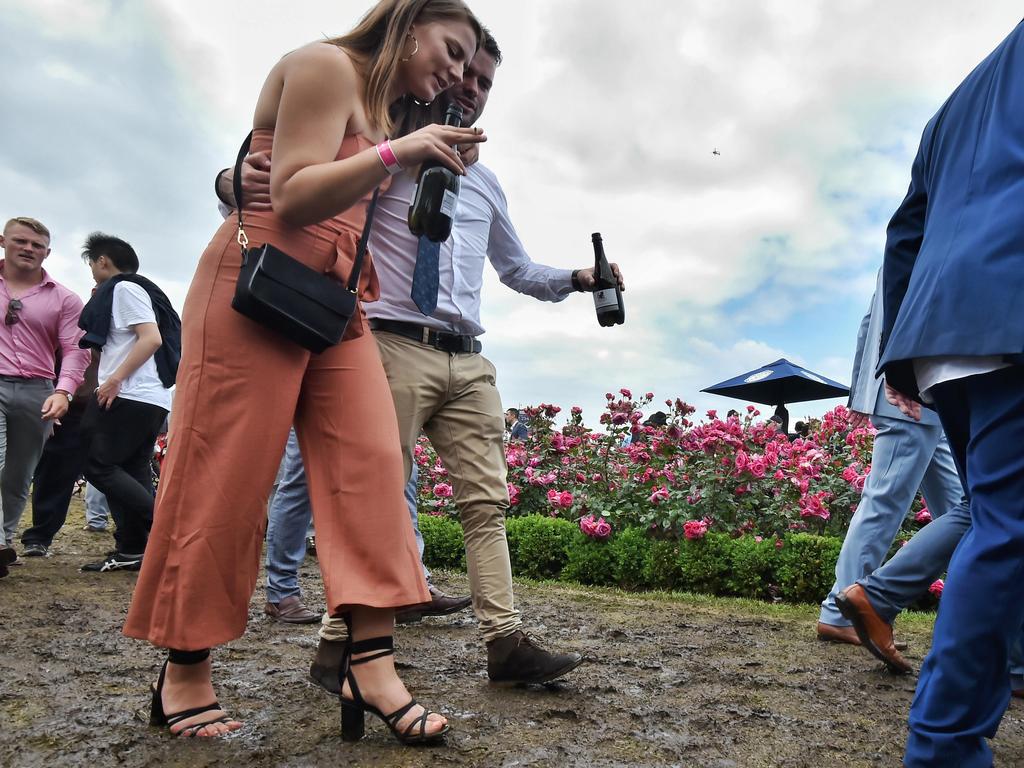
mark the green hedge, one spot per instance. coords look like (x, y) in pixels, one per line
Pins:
(801, 570)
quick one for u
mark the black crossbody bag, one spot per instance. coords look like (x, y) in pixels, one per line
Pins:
(278, 292)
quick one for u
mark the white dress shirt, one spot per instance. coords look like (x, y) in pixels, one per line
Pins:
(482, 230)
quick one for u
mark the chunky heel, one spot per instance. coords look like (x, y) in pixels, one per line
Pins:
(353, 709)
(156, 708)
(353, 725)
(158, 717)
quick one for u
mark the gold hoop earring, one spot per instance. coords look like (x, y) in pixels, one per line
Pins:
(414, 50)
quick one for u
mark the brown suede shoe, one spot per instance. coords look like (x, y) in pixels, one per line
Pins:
(325, 670)
(875, 634)
(440, 605)
(291, 610)
(518, 659)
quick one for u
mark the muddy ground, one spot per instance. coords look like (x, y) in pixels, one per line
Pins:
(670, 680)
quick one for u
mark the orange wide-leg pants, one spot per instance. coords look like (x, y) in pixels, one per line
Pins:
(240, 387)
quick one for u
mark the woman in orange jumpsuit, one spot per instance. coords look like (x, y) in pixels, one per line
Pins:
(324, 112)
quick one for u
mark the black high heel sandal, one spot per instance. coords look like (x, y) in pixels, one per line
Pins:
(158, 717)
(353, 710)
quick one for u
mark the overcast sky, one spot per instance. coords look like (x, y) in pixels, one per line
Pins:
(116, 114)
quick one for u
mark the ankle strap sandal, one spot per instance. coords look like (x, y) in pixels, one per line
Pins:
(353, 710)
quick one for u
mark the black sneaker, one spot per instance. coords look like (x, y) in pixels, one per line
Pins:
(115, 561)
(518, 659)
(35, 550)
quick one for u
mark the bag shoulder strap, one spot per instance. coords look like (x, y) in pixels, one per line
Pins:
(243, 240)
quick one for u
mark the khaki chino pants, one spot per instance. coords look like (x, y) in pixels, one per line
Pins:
(452, 397)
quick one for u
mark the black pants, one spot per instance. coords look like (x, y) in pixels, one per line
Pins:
(62, 463)
(119, 466)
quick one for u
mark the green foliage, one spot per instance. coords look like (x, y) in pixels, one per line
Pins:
(538, 545)
(443, 546)
(543, 547)
(661, 566)
(631, 549)
(591, 561)
(704, 563)
(806, 567)
(751, 568)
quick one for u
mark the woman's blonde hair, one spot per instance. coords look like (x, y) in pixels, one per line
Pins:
(378, 40)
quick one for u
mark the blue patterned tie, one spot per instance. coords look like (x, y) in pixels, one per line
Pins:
(425, 277)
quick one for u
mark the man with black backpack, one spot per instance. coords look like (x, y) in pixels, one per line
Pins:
(138, 333)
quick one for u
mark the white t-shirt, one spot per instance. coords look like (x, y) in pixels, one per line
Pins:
(132, 306)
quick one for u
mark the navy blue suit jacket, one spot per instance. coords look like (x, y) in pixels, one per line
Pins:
(954, 255)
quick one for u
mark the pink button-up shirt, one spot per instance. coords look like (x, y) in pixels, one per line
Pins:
(47, 322)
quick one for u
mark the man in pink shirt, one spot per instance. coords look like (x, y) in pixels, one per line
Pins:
(40, 318)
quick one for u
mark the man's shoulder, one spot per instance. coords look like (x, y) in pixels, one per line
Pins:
(66, 295)
(479, 175)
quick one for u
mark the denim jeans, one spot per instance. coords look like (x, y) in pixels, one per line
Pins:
(97, 511)
(289, 519)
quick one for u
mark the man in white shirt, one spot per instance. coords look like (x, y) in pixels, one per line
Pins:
(133, 397)
(443, 386)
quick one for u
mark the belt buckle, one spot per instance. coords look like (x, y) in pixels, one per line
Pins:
(425, 336)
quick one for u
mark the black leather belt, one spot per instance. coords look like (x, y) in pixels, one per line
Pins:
(446, 342)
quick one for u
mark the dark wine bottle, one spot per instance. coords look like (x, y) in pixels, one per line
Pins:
(607, 296)
(437, 193)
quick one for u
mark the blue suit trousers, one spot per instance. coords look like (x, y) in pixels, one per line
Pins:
(964, 688)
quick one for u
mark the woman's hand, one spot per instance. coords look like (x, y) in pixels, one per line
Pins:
(256, 181)
(435, 142)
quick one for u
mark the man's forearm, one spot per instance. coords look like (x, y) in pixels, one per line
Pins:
(223, 187)
(144, 348)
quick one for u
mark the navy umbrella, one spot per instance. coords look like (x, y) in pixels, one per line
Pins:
(779, 383)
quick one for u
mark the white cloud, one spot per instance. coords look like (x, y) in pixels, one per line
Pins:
(603, 118)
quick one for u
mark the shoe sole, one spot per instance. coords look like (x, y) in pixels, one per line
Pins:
(851, 613)
(411, 617)
(549, 678)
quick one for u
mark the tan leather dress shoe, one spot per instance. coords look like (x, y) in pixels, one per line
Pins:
(291, 610)
(830, 633)
(874, 632)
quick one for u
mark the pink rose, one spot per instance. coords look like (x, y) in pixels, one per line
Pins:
(741, 460)
(778, 543)
(649, 396)
(695, 529)
(936, 588)
(659, 495)
(849, 474)
(626, 393)
(619, 418)
(757, 466)
(442, 490)
(513, 495)
(561, 499)
(924, 516)
(596, 529)
(751, 409)
(576, 410)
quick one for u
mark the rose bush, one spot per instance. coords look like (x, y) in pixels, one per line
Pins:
(737, 475)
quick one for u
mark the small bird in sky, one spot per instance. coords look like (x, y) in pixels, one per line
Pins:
(716, 152)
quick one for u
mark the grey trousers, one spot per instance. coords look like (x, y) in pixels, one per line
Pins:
(22, 435)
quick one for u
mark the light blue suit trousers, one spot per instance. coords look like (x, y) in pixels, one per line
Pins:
(907, 456)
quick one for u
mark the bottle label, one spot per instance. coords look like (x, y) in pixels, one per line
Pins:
(448, 203)
(605, 298)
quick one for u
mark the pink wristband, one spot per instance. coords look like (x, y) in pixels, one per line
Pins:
(387, 157)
